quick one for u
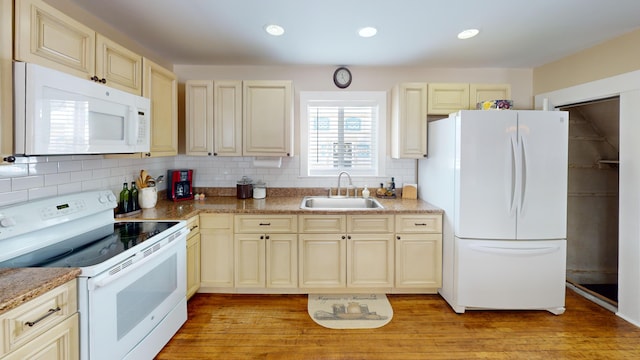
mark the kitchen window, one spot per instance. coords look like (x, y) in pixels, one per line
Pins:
(342, 131)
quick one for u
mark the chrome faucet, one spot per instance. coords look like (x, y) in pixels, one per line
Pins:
(350, 183)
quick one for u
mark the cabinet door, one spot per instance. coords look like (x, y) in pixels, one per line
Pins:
(323, 259)
(282, 261)
(445, 99)
(227, 105)
(419, 261)
(119, 66)
(484, 92)
(161, 87)
(216, 250)
(267, 118)
(409, 121)
(6, 79)
(370, 260)
(50, 38)
(193, 264)
(250, 269)
(199, 117)
(59, 343)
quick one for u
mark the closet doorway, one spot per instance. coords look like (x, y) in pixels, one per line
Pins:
(593, 194)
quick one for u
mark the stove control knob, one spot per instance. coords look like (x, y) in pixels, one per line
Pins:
(7, 222)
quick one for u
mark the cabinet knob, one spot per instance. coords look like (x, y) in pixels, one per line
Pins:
(343, 237)
(267, 237)
(261, 237)
(147, 154)
(349, 237)
(9, 159)
(398, 237)
(215, 154)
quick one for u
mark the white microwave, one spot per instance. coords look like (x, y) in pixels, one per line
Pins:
(57, 114)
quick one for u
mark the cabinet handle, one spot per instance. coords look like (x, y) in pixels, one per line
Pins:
(349, 237)
(94, 78)
(147, 154)
(343, 237)
(398, 237)
(265, 224)
(193, 227)
(9, 159)
(49, 313)
(103, 80)
(419, 224)
(261, 237)
(267, 237)
(215, 154)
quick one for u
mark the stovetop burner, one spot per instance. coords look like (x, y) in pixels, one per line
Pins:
(92, 248)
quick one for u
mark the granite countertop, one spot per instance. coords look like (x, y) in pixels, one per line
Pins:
(18, 286)
(21, 285)
(182, 210)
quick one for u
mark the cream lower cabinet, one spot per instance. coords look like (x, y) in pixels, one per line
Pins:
(445, 98)
(266, 252)
(45, 327)
(418, 246)
(193, 256)
(216, 252)
(346, 251)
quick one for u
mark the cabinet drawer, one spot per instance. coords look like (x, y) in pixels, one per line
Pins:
(216, 221)
(256, 224)
(419, 223)
(322, 224)
(193, 224)
(369, 224)
(38, 315)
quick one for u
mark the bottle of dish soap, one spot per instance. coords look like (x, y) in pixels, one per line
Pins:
(365, 192)
(381, 190)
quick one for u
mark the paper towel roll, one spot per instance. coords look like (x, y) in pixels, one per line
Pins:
(267, 162)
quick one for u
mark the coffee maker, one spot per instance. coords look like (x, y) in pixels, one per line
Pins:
(179, 184)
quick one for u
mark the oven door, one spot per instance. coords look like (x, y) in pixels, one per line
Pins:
(123, 309)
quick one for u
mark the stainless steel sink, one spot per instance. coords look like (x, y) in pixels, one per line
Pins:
(339, 203)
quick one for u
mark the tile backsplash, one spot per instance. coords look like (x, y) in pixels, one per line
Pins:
(42, 176)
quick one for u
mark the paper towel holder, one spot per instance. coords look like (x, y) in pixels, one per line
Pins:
(267, 161)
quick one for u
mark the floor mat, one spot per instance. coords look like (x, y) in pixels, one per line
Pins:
(351, 311)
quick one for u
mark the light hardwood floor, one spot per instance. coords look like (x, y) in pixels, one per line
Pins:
(423, 327)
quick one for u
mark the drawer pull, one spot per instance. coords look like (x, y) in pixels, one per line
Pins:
(49, 313)
(420, 224)
(193, 227)
(265, 224)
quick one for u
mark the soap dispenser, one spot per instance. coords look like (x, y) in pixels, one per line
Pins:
(365, 192)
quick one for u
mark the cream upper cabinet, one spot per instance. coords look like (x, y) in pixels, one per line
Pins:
(409, 121)
(445, 98)
(418, 246)
(6, 81)
(267, 118)
(120, 67)
(199, 117)
(161, 87)
(45, 327)
(484, 92)
(266, 251)
(216, 252)
(50, 38)
(193, 256)
(227, 119)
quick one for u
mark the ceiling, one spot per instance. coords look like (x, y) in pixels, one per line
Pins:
(513, 34)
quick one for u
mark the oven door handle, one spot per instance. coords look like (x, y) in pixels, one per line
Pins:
(98, 283)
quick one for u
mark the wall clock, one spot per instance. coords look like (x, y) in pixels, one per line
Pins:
(342, 77)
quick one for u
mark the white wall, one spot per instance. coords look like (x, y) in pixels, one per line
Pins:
(628, 87)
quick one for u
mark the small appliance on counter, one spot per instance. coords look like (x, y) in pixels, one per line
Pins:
(244, 188)
(179, 184)
(259, 190)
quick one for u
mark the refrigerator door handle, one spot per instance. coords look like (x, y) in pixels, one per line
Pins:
(513, 163)
(523, 174)
(518, 251)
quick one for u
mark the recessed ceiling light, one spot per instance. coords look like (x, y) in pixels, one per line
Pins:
(368, 31)
(467, 34)
(273, 29)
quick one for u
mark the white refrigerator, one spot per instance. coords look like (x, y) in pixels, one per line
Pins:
(501, 179)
